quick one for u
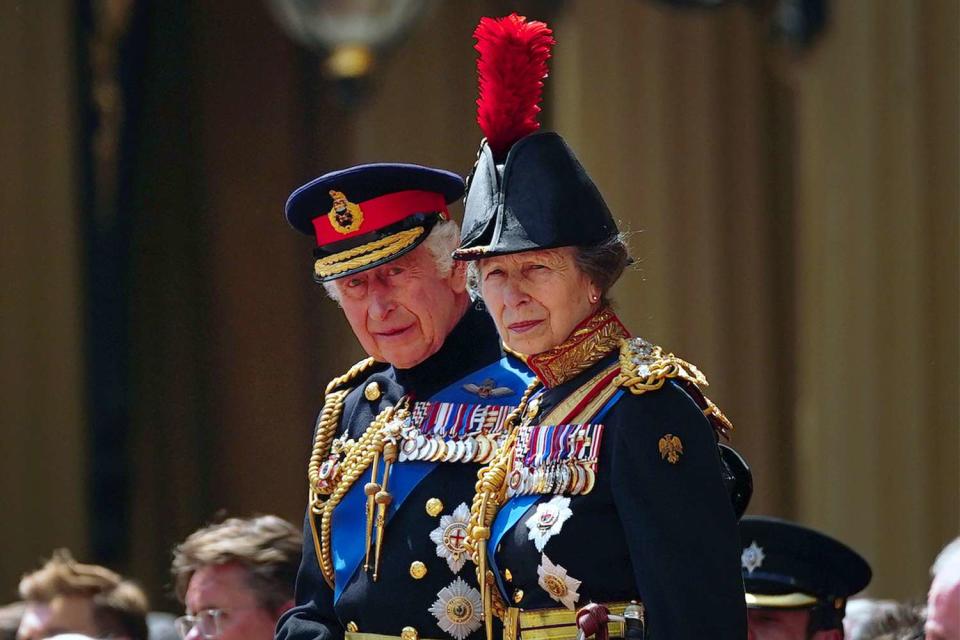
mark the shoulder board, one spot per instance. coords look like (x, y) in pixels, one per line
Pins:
(645, 367)
(352, 374)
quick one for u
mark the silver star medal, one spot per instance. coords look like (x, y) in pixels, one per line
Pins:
(554, 580)
(548, 519)
(450, 536)
(752, 557)
(458, 609)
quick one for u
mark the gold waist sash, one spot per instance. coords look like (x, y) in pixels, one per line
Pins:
(552, 624)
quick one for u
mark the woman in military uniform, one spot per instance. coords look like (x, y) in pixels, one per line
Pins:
(608, 489)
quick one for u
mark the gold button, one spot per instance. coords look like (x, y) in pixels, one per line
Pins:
(517, 596)
(352, 626)
(507, 575)
(418, 569)
(372, 392)
(409, 633)
(434, 507)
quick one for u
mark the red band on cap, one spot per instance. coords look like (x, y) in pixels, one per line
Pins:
(382, 212)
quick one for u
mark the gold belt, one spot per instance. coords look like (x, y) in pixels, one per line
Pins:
(409, 633)
(552, 624)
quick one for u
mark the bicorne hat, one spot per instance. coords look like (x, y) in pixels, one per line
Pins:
(528, 190)
(370, 214)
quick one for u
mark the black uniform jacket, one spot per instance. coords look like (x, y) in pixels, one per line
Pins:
(657, 526)
(398, 599)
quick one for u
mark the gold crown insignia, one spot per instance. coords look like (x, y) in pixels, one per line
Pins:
(345, 216)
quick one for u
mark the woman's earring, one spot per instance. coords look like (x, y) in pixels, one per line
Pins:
(594, 298)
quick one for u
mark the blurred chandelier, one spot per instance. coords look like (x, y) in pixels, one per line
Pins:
(350, 32)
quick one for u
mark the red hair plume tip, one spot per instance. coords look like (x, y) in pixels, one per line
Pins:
(511, 66)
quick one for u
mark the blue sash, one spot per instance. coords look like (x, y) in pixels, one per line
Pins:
(349, 521)
(515, 508)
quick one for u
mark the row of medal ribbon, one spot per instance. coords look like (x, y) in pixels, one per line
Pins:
(557, 459)
(453, 432)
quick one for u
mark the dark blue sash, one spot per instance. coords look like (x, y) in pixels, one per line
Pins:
(349, 520)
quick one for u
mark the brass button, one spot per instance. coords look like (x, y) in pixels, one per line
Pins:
(507, 575)
(409, 633)
(517, 596)
(352, 626)
(434, 507)
(372, 392)
(418, 569)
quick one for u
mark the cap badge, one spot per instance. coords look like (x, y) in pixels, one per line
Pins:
(547, 521)
(554, 580)
(488, 389)
(458, 609)
(670, 448)
(450, 536)
(752, 557)
(345, 216)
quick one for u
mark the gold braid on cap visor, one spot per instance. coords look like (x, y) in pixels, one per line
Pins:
(366, 254)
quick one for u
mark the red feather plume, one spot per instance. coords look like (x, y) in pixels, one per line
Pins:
(511, 67)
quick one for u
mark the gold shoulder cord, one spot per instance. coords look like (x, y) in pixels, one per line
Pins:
(333, 400)
(488, 497)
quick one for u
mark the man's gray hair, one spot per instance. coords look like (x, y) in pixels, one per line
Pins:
(949, 556)
(443, 239)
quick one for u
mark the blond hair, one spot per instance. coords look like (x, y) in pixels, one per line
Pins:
(268, 547)
(119, 606)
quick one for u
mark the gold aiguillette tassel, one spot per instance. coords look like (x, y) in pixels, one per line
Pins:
(482, 534)
(383, 499)
(371, 489)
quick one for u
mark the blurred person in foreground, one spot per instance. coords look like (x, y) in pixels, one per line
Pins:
(236, 578)
(901, 621)
(402, 434)
(797, 580)
(943, 599)
(608, 494)
(65, 596)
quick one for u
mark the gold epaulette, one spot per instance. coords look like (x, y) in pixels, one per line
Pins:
(645, 367)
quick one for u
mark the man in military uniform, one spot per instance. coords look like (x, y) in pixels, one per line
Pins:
(401, 435)
(797, 580)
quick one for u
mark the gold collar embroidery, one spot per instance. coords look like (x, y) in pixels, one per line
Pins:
(591, 340)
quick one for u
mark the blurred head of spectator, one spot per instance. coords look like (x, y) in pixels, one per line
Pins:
(943, 600)
(887, 620)
(65, 596)
(10, 616)
(236, 578)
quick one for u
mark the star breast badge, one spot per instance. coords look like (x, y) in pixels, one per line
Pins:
(752, 557)
(458, 609)
(548, 519)
(670, 448)
(450, 536)
(553, 579)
